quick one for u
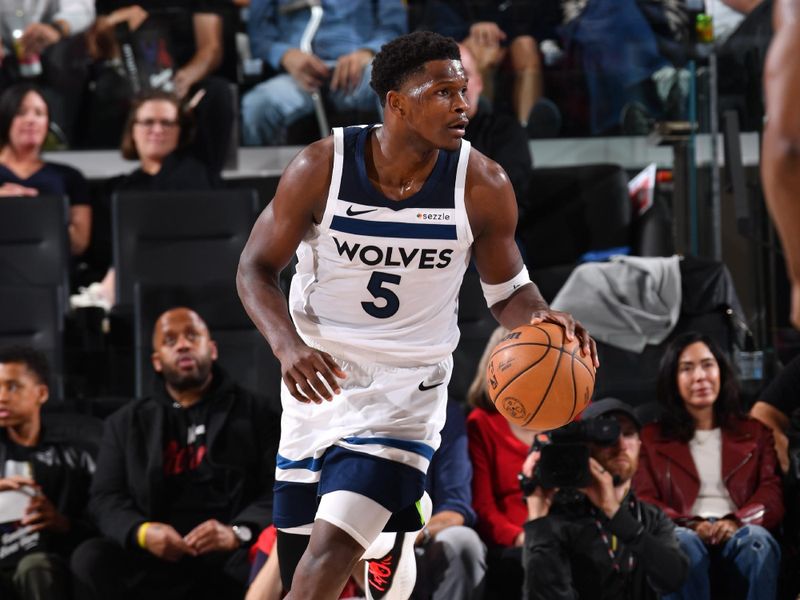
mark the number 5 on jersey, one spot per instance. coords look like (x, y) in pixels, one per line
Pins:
(376, 287)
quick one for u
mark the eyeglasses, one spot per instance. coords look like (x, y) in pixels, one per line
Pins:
(150, 123)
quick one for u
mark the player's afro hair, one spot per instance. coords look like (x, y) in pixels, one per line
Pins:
(406, 55)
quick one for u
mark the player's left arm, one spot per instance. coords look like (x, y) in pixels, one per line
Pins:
(492, 211)
(780, 160)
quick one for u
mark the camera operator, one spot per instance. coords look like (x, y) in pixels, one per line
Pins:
(597, 540)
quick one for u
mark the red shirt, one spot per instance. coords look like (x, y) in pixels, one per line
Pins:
(497, 456)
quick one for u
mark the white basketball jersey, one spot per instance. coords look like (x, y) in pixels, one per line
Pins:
(378, 279)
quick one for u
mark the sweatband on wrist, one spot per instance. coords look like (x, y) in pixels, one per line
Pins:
(141, 534)
(497, 292)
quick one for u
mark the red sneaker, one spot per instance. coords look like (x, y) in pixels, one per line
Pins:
(392, 576)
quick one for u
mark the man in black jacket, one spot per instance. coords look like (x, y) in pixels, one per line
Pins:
(44, 483)
(601, 542)
(184, 479)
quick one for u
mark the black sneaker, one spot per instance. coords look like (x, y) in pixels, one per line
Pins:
(392, 576)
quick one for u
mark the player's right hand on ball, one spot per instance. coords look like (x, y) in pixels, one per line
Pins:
(311, 375)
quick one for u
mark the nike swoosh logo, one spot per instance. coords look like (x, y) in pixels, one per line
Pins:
(355, 213)
(424, 388)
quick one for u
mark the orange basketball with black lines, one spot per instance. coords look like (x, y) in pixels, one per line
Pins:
(537, 379)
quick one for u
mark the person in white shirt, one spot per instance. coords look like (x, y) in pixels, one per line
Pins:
(713, 470)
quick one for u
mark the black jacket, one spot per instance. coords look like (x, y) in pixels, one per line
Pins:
(242, 442)
(63, 463)
(566, 557)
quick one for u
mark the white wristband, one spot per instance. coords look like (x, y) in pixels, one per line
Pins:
(496, 292)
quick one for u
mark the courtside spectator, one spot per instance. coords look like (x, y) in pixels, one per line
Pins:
(178, 46)
(499, 35)
(497, 450)
(41, 43)
(184, 479)
(24, 122)
(600, 541)
(159, 133)
(339, 65)
(713, 470)
(777, 408)
(49, 472)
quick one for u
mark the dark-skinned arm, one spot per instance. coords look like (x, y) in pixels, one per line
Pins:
(492, 210)
(299, 202)
(780, 164)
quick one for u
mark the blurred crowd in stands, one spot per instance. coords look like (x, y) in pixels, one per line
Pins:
(561, 67)
(111, 486)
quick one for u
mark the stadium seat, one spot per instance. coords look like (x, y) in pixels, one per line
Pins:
(34, 242)
(578, 209)
(34, 316)
(176, 238)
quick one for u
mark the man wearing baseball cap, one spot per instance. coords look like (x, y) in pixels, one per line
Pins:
(600, 541)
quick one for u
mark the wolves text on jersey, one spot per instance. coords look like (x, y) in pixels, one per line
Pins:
(371, 255)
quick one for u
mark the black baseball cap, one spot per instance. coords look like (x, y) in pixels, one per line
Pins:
(604, 406)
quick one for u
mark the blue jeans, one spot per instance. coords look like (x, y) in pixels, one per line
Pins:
(750, 561)
(270, 107)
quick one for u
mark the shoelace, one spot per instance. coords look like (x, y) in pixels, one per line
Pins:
(380, 572)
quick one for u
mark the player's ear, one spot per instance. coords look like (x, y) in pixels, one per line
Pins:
(395, 102)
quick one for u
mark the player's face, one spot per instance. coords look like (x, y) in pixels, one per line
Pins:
(156, 129)
(437, 103)
(21, 394)
(29, 126)
(621, 458)
(698, 376)
(183, 351)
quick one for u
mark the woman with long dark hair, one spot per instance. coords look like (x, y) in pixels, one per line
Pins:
(713, 471)
(24, 125)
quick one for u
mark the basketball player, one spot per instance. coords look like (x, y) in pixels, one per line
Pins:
(780, 160)
(384, 220)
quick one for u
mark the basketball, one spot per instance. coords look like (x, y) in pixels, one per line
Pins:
(537, 379)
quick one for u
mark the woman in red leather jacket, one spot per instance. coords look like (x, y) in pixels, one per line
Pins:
(713, 471)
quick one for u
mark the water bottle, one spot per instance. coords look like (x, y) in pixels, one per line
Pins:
(704, 26)
(30, 65)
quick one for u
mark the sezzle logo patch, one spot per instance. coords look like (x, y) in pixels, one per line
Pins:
(433, 216)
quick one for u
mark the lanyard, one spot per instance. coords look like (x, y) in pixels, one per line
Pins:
(613, 547)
